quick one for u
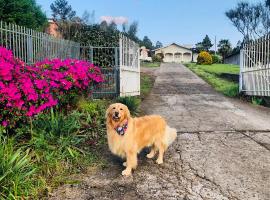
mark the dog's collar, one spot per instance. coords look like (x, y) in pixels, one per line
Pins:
(121, 130)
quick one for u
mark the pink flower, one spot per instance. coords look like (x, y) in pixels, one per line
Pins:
(28, 90)
(5, 123)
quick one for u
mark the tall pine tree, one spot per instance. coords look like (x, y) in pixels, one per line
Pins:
(61, 10)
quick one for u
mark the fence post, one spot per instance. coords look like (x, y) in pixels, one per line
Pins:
(29, 45)
(121, 57)
(91, 54)
(241, 70)
(117, 69)
(139, 69)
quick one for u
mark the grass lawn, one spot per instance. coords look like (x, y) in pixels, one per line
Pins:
(220, 68)
(147, 83)
(150, 64)
(212, 75)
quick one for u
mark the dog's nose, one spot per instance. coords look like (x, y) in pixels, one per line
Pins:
(116, 113)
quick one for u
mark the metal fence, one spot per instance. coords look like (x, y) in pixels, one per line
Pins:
(255, 67)
(119, 65)
(31, 46)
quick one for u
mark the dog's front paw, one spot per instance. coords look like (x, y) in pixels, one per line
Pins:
(150, 155)
(126, 172)
(159, 161)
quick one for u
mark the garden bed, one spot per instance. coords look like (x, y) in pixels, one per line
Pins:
(49, 128)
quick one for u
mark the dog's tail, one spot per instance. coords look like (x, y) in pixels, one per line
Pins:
(170, 135)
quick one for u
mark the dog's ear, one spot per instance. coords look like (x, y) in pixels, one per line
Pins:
(107, 112)
(127, 112)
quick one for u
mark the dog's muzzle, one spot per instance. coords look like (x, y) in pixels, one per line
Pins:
(116, 116)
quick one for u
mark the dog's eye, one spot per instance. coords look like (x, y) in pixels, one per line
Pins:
(121, 108)
(113, 107)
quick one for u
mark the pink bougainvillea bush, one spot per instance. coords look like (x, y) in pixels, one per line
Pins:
(29, 90)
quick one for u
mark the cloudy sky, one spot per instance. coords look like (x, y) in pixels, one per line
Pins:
(180, 21)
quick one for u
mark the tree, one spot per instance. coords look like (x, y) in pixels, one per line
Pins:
(88, 18)
(113, 26)
(69, 24)
(205, 45)
(265, 16)
(252, 20)
(132, 31)
(199, 47)
(61, 10)
(237, 48)
(158, 45)
(22, 12)
(147, 43)
(124, 27)
(104, 26)
(224, 48)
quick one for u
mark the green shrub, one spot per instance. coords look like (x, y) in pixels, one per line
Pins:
(56, 123)
(62, 144)
(216, 59)
(55, 145)
(131, 102)
(257, 100)
(93, 118)
(158, 58)
(16, 171)
(204, 58)
(92, 107)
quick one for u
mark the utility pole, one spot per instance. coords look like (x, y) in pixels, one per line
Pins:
(215, 45)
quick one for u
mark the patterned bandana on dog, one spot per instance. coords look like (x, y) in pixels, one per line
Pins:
(121, 130)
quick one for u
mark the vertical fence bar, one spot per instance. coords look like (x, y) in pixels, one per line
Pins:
(241, 70)
(116, 70)
(267, 66)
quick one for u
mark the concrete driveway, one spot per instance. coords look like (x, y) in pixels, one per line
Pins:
(222, 150)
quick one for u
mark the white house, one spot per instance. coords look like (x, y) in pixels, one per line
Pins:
(176, 53)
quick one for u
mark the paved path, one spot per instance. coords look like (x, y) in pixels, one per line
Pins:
(222, 150)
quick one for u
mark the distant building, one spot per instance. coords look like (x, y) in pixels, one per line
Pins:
(53, 29)
(144, 54)
(233, 59)
(176, 53)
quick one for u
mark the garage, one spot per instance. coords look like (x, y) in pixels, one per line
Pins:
(176, 53)
(178, 57)
(168, 57)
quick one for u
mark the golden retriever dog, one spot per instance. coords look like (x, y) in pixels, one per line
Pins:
(127, 136)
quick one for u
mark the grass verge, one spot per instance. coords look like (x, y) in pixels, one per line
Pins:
(212, 75)
(147, 82)
(150, 64)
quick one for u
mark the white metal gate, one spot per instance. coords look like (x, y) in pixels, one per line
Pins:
(129, 67)
(255, 67)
